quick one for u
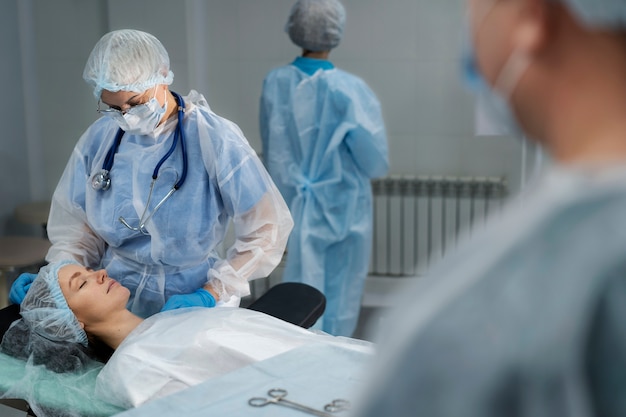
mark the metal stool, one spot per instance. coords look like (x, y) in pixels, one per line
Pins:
(17, 254)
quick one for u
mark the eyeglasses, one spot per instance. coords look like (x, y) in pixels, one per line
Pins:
(113, 110)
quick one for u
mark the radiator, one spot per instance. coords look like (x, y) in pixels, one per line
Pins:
(417, 219)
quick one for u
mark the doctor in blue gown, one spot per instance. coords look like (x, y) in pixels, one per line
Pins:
(323, 140)
(151, 186)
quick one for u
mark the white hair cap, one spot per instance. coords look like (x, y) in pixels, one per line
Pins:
(127, 60)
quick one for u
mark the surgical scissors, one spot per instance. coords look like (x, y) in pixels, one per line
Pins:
(277, 396)
(337, 405)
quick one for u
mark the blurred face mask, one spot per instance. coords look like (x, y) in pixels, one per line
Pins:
(494, 102)
(141, 119)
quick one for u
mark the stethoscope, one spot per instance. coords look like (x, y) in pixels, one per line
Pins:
(101, 181)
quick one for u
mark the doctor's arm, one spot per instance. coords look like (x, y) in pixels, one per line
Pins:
(68, 229)
(261, 238)
(367, 139)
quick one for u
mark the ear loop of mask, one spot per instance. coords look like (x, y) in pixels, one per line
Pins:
(516, 64)
(512, 72)
(504, 86)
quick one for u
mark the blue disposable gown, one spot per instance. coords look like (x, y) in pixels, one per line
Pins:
(525, 319)
(323, 139)
(225, 180)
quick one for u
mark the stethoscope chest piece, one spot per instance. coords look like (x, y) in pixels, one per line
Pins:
(101, 180)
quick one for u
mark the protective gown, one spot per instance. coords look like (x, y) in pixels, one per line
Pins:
(526, 319)
(177, 349)
(323, 140)
(225, 180)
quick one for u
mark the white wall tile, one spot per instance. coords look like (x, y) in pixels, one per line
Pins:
(406, 50)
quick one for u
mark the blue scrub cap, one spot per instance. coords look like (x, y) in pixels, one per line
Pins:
(127, 60)
(608, 14)
(45, 310)
(48, 333)
(316, 25)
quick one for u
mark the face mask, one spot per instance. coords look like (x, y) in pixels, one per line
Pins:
(494, 113)
(141, 119)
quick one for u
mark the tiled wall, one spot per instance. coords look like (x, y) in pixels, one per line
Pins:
(407, 50)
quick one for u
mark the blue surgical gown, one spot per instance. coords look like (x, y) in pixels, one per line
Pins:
(225, 181)
(527, 318)
(323, 140)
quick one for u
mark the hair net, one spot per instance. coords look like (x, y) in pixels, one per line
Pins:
(48, 329)
(127, 60)
(316, 25)
(599, 13)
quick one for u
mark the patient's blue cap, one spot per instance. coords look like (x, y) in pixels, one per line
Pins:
(45, 310)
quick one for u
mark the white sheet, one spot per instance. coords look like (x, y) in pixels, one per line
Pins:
(181, 348)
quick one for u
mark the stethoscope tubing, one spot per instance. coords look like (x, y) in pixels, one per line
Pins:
(101, 180)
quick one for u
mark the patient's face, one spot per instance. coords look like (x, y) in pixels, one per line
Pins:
(92, 295)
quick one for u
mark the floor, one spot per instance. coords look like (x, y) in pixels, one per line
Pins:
(378, 297)
(370, 320)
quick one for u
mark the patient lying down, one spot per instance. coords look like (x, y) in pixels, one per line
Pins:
(68, 305)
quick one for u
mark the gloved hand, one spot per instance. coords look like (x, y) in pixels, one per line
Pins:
(20, 287)
(198, 298)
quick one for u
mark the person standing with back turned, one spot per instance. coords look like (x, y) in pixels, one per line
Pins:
(323, 140)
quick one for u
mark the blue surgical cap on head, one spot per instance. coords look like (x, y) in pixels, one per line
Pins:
(127, 60)
(45, 310)
(316, 25)
(601, 14)
(48, 333)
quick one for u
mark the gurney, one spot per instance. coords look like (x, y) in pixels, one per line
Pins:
(312, 375)
(296, 303)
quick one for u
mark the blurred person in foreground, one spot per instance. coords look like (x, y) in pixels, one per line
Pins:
(527, 318)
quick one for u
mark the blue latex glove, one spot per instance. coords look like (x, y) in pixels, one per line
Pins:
(198, 298)
(20, 287)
